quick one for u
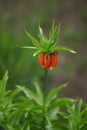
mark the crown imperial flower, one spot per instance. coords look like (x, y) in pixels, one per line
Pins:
(49, 61)
(46, 48)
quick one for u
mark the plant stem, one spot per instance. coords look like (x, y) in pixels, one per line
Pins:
(45, 82)
(44, 94)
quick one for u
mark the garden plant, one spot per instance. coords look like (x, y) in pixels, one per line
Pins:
(26, 109)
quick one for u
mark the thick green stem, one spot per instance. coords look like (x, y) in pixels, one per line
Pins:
(44, 94)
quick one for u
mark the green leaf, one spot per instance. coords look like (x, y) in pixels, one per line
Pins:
(56, 38)
(49, 122)
(79, 106)
(10, 127)
(41, 35)
(60, 125)
(3, 83)
(26, 125)
(37, 52)
(63, 114)
(84, 111)
(62, 102)
(30, 94)
(14, 93)
(51, 47)
(73, 113)
(34, 41)
(27, 47)
(3, 96)
(53, 112)
(39, 91)
(53, 93)
(52, 31)
(64, 48)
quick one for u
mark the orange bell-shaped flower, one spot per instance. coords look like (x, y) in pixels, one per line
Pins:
(49, 61)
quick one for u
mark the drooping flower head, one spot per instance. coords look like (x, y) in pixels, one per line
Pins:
(47, 48)
(48, 60)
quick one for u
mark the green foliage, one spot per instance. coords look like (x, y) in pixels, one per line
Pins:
(45, 44)
(14, 59)
(76, 116)
(22, 109)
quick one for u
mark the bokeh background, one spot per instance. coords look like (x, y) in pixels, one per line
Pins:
(23, 68)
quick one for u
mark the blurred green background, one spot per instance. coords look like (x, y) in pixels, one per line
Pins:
(23, 68)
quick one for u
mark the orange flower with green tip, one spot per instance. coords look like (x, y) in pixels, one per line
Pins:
(47, 48)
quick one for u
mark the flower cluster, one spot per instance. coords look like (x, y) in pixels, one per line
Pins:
(49, 61)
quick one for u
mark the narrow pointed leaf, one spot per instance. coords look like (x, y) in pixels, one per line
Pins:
(40, 32)
(14, 93)
(37, 52)
(62, 102)
(64, 48)
(49, 122)
(52, 32)
(83, 111)
(41, 35)
(28, 47)
(56, 38)
(34, 41)
(10, 127)
(39, 91)
(79, 106)
(52, 113)
(54, 93)
(30, 94)
(3, 83)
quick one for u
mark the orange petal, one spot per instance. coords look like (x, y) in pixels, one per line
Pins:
(54, 60)
(41, 58)
(47, 61)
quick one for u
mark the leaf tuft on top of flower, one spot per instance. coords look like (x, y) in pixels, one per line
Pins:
(47, 44)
